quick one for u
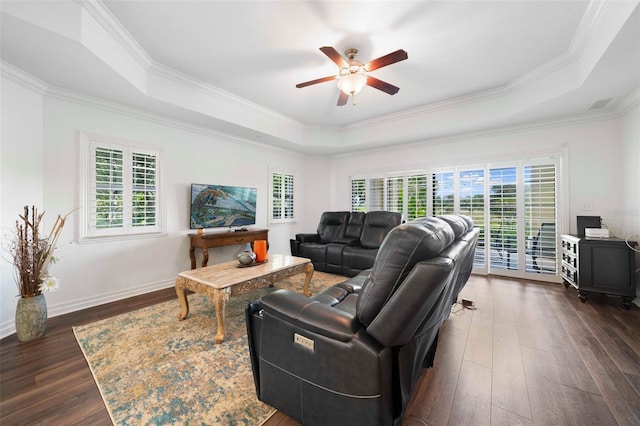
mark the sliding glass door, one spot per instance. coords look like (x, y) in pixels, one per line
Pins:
(523, 218)
(515, 205)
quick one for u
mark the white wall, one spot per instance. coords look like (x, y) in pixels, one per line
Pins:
(593, 152)
(630, 212)
(21, 175)
(99, 272)
(631, 173)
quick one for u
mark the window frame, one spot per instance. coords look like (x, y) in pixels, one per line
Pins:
(89, 232)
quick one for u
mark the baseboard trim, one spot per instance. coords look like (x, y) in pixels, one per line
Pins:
(9, 327)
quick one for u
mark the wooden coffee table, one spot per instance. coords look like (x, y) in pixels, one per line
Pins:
(224, 280)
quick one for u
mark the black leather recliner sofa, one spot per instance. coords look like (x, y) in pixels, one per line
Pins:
(345, 243)
(352, 354)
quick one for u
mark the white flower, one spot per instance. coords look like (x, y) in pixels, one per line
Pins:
(49, 284)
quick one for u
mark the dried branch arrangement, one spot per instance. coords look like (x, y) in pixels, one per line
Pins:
(32, 254)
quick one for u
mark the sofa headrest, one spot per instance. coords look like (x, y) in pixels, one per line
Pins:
(403, 247)
(376, 226)
(332, 226)
(459, 223)
(354, 226)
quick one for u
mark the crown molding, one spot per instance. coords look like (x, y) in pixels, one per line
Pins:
(586, 26)
(213, 91)
(589, 117)
(22, 78)
(111, 25)
(629, 102)
(138, 114)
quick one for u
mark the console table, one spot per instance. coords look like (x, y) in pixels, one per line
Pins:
(218, 239)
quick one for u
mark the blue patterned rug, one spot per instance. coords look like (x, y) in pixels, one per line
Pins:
(152, 369)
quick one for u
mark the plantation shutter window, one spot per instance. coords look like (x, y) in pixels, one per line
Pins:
(106, 204)
(288, 197)
(282, 197)
(503, 220)
(395, 194)
(144, 190)
(358, 195)
(416, 196)
(443, 189)
(472, 204)
(121, 195)
(540, 217)
(376, 194)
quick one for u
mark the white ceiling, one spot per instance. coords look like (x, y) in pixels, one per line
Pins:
(232, 66)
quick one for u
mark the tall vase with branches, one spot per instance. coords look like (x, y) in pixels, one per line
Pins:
(32, 256)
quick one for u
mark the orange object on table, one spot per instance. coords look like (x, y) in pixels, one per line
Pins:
(260, 249)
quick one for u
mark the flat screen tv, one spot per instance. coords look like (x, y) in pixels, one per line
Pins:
(214, 206)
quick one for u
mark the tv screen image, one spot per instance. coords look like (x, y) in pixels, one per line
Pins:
(215, 206)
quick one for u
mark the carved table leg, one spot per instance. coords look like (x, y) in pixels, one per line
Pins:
(192, 256)
(220, 298)
(205, 257)
(182, 298)
(308, 270)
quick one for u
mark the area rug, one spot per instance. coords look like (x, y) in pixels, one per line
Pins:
(152, 369)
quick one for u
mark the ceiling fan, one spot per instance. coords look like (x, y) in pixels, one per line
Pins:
(353, 73)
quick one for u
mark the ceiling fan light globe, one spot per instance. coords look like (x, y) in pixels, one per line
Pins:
(352, 83)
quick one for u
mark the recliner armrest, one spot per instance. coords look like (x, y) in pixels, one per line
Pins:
(308, 238)
(309, 314)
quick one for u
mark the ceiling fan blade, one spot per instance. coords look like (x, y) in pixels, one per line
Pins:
(316, 81)
(343, 98)
(334, 56)
(383, 61)
(382, 85)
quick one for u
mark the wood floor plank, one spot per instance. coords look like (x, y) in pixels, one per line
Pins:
(479, 348)
(472, 401)
(622, 354)
(509, 386)
(502, 417)
(620, 395)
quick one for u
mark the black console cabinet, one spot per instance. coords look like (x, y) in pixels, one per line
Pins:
(599, 265)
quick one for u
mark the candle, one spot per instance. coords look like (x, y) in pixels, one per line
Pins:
(260, 249)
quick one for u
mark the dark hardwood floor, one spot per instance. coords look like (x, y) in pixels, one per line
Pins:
(529, 354)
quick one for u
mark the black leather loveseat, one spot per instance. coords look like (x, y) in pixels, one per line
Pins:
(352, 354)
(345, 243)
